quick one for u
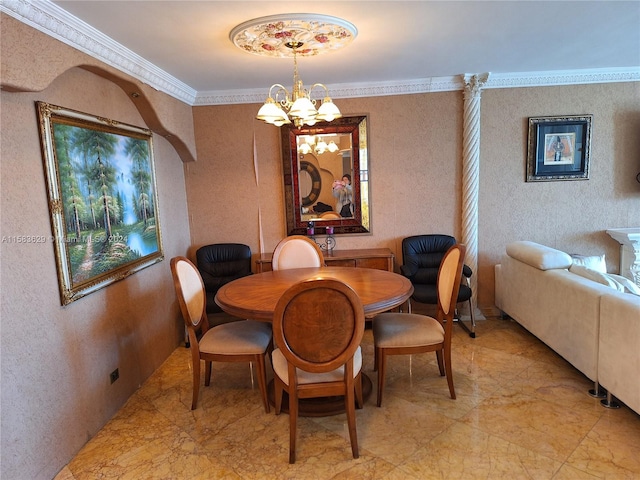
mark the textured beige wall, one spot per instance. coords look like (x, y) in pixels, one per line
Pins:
(415, 162)
(414, 151)
(56, 360)
(568, 215)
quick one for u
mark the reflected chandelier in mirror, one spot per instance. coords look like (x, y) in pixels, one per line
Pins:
(326, 176)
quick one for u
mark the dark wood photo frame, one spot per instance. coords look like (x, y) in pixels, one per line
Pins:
(294, 162)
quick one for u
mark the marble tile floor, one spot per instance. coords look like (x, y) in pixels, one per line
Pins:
(521, 412)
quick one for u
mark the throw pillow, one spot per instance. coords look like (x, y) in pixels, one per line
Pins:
(594, 262)
(596, 276)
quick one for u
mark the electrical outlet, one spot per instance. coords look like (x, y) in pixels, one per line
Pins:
(114, 375)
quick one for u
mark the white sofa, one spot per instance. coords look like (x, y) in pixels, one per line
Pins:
(591, 325)
(619, 347)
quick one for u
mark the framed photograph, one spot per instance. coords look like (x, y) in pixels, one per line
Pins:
(559, 148)
(102, 195)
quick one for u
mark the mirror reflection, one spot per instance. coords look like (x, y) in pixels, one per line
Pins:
(326, 176)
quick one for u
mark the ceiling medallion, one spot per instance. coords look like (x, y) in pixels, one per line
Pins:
(294, 35)
(269, 36)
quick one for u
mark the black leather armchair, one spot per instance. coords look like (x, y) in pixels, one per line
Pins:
(221, 263)
(421, 257)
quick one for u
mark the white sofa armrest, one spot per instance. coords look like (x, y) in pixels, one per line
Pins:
(619, 352)
(538, 256)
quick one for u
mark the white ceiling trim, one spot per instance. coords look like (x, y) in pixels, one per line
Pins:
(342, 90)
(437, 84)
(52, 20)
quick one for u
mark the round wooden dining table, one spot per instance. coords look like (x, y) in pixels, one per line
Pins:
(255, 297)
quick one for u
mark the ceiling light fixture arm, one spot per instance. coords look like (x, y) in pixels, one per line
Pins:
(297, 107)
(282, 90)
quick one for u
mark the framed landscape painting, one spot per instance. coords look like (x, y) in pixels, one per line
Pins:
(559, 148)
(102, 196)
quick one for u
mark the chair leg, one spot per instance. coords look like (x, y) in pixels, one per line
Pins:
(375, 359)
(262, 381)
(196, 384)
(440, 362)
(195, 369)
(293, 422)
(447, 365)
(472, 331)
(270, 350)
(351, 421)
(358, 389)
(207, 373)
(382, 366)
(278, 387)
(472, 334)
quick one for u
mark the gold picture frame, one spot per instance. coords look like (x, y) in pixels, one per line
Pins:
(103, 201)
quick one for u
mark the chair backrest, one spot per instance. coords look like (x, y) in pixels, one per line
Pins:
(219, 264)
(449, 282)
(296, 251)
(422, 256)
(318, 324)
(190, 292)
(330, 216)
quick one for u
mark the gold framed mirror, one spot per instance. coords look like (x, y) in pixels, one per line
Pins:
(326, 176)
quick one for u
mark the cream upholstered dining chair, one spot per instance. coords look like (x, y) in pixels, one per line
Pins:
(409, 333)
(241, 341)
(296, 251)
(318, 325)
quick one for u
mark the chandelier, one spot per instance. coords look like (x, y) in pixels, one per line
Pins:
(318, 145)
(298, 106)
(292, 36)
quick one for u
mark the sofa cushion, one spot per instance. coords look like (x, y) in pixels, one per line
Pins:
(539, 256)
(596, 276)
(594, 262)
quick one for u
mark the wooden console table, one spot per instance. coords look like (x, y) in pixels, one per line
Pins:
(378, 258)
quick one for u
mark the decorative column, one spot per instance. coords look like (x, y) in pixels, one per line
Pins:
(471, 172)
(629, 240)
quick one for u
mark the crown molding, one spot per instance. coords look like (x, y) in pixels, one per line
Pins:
(52, 20)
(563, 77)
(339, 90)
(438, 84)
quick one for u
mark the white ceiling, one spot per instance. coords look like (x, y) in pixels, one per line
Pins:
(399, 43)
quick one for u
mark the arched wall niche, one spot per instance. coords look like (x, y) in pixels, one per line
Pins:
(20, 41)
